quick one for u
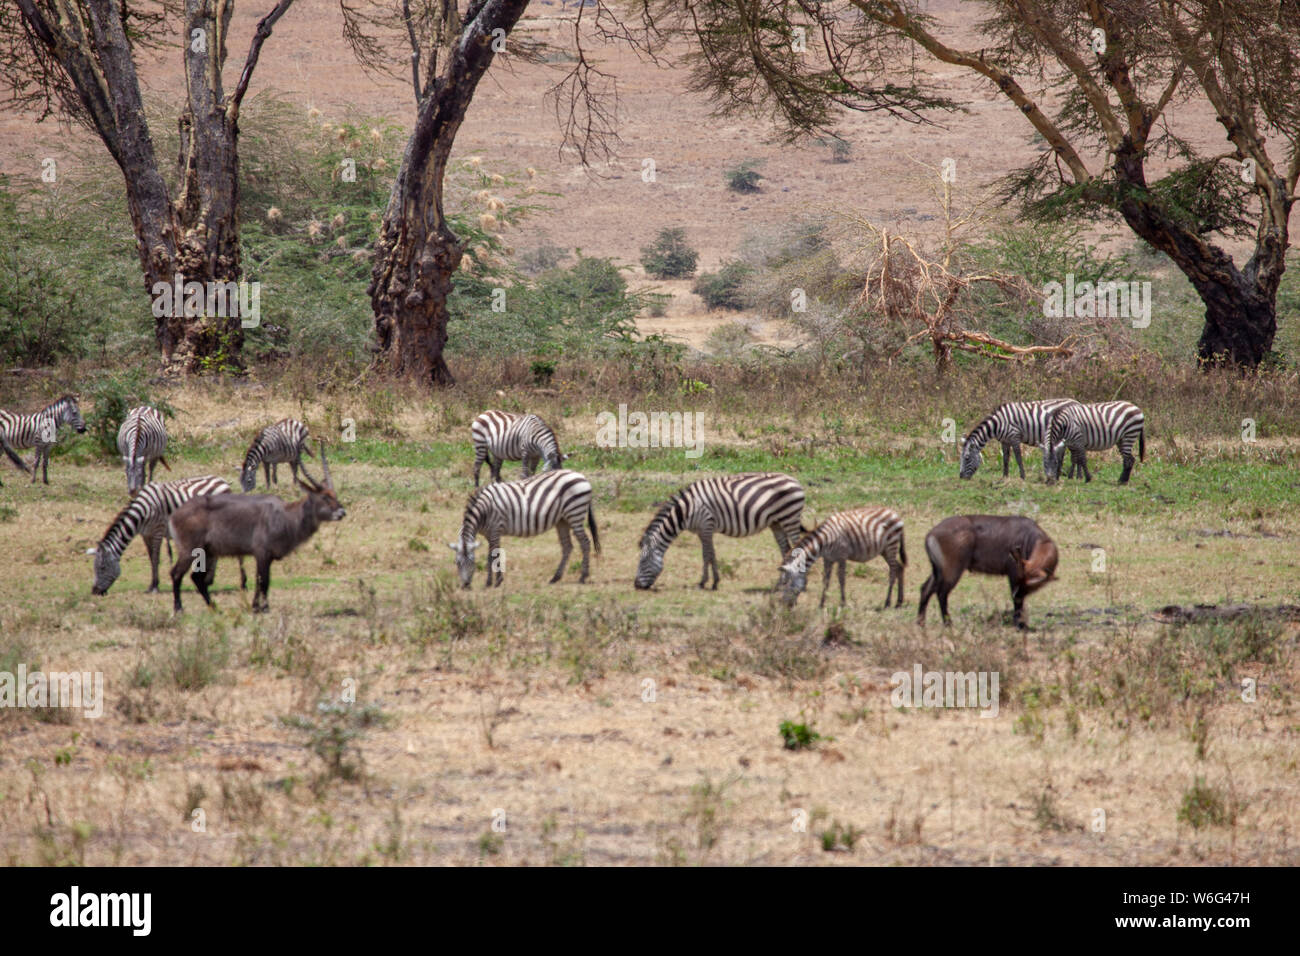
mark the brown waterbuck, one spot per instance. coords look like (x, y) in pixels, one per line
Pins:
(988, 544)
(220, 526)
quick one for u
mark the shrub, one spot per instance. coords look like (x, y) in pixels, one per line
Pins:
(722, 289)
(798, 736)
(669, 256)
(113, 396)
(744, 178)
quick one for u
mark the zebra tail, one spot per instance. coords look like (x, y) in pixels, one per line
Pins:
(902, 549)
(14, 457)
(1142, 444)
(164, 464)
(591, 522)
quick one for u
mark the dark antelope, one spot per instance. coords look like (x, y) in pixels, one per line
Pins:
(988, 544)
(219, 526)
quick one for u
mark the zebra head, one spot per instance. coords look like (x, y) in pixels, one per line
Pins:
(970, 456)
(108, 566)
(650, 565)
(66, 412)
(555, 461)
(794, 576)
(464, 550)
(248, 475)
(1053, 457)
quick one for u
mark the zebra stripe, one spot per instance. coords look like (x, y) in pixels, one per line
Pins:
(1085, 428)
(147, 516)
(857, 535)
(508, 436)
(39, 430)
(1011, 424)
(285, 442)
(558, 499)
(141, 440)
(734, 505)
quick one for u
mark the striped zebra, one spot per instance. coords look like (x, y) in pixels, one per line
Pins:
(558, 499)
(508, 436)
(285, 442)
(1011, 424)
(39, 430)
(147, 516)
(857, 535)
(141, 440)
(734, 505)
(1085, 428)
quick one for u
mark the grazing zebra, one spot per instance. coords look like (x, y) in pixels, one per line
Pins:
(147, 516)
(39, 430)
(734, 505)
(857, 535)
(283, 442)
(1012, 424)
(1085, 428)
(141, 439)
(509, 436)
(558, 499)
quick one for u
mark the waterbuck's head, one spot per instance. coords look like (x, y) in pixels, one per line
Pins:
(794, 576)
(1040, 567)
(321, 500)
(107, 567)
(970, 457)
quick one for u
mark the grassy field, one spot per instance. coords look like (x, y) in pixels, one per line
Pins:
(569, 724)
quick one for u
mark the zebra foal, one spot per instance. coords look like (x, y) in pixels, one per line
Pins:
(285, 442)
(734, 505)
(39, 430)
(558, 499)
(509, 436)
(857, 535)
(142, 440)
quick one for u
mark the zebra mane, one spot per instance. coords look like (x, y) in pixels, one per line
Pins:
(667, 510)
(982, 431)
(120, 532)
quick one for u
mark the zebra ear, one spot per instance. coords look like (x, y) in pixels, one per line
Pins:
(92, 551)
(454, 545)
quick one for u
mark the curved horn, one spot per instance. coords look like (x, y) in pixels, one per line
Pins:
(324, 464)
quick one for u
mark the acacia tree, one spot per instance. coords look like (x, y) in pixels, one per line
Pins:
(451, 49)
(1096, 79)
(76, 59)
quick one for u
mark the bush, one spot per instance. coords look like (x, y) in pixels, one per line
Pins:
(744, 178)
(113, 396)
(722, 289)
(669, 256)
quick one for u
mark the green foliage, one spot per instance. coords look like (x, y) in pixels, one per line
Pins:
(669, 256)
(798, 736)
(724, 289)
(1204, 806)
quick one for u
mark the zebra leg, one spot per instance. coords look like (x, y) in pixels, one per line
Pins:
(710, 559)
(36, 464)
(826, 581)
(843, 569)
(783, 542)
(585, 543)
(479, 455)
(266, 470)
(1127, 455)
(275, 472)
(895, 574)
(496, 560)
(1083, 463)
(566, 548)
(1006, 459)
(495, 467)
(1020, 462)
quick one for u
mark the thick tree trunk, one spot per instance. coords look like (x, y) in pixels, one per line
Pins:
(1239, 326)
(417, 253)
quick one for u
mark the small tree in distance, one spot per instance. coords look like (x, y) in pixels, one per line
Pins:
(670, 256)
